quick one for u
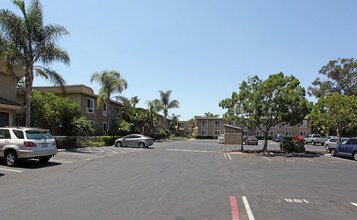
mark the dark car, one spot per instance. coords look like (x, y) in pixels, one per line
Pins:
(251, 140)
(278, 137)
(347, 148)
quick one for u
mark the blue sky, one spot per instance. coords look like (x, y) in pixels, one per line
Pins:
(200, 49)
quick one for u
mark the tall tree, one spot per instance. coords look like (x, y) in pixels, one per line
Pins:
(341, 77)
(26, 42)
(335, 111)
(175, 124)
(164, 104)
(263, 104)
(110, 82)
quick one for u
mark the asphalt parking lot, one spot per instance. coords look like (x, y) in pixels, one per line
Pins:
(180, 180)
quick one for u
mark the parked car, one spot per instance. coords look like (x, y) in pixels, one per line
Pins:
(347, 148)
(278, 138)
(251, 140)
(134, 140)
(25, 143)
(332, 141)
(299, 138)
(220, 139)
(315, 139)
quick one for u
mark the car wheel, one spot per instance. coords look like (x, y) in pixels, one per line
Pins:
(312, 142)
(44, 159)
(141, 145)
(333, 153)
(11, 158)
(355, 156)
(327, 147)
(118, 144)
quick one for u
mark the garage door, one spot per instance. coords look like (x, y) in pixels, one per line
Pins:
(4, 119)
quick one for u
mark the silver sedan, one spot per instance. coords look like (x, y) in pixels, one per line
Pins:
(135, 140)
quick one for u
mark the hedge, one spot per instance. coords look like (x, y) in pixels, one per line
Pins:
(292, 146)
(206, 137)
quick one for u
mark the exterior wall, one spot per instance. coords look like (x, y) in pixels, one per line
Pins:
(79, 94)
(214, 126)
(303, 129)
(233, 138)
(8, 95)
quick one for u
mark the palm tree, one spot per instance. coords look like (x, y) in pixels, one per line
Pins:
(110, 82)
(211, 115)
(164, 103)
(27, 43)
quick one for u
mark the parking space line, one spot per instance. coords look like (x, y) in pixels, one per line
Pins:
(121, 150)
(90, 150)
(78, 155)
(234, 208)
(308, 160)
(100, 150)
(267, 158)
(107, 148)
(247, 208)
(11, 170)
(353, 203)
(61, 161)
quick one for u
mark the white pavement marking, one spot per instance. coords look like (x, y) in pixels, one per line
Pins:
(133, 150)
(90, 150)
(100, 150)
(308, 160)
(122, 151)
(355, 204)
(196, 151)
(229, 156)
(107, 148)
(225, 155)
(11, 170)
(79, 155)
(247, 208)
(267, 158)
(61, 161)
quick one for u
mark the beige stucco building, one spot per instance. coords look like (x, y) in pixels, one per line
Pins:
(215, 126)
(8, 95)
(85, 97)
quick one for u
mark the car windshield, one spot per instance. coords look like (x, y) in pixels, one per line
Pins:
(38, 134)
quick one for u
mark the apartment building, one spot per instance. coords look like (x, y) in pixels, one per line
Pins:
(210, 126)
(85, 97)
(215, 126)
(8, 95)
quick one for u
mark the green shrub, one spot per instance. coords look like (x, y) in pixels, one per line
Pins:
(291, 146)
(66, 142)
(94, 143)
(108, 140)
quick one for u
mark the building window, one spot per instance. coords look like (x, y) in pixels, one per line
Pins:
(303, 133)
(105, 109)
(217, 123)
(272, 133)
(204, 132)
(91, 123)
(245, 133)
(231, 123)
(287, 125)
(204, 123)
(119, 113)
(259, 133)
(217, 132)
(105, 127)
(90, 106)
(304, 124)
(287, 133)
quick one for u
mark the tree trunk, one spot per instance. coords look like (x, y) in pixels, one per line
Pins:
(265, 147)
(28, 94)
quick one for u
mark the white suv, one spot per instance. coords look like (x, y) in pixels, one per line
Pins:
(24, 143)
